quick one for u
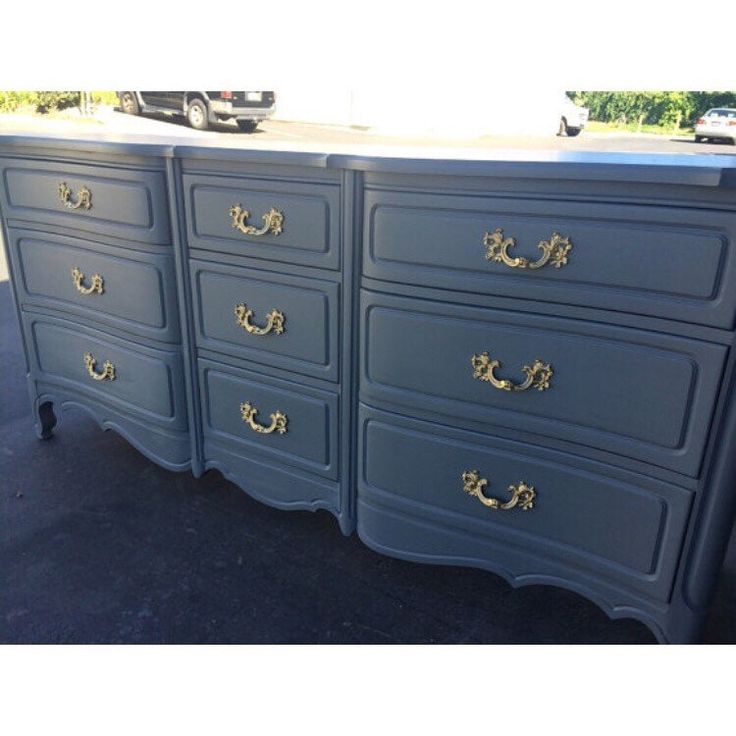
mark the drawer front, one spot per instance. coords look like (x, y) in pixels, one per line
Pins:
(304, 231)
(284, 321)
(98, 282)
(137, 379)
(120, 202)
(648, 396)
(296, 425)
(657, 261)
(585, 519)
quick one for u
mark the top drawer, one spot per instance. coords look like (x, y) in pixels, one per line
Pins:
(121, 203)
(292, 222)
(658, 261)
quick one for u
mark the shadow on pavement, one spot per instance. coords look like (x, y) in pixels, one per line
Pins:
(181, 121)
(728, 145)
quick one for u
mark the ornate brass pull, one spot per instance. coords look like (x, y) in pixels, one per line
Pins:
(84, 198)
(538, 375)
(554, 251)
(273, 221)
(279, 420)
(274, 321)
(522, 495)
(97, 285)
(108, 369)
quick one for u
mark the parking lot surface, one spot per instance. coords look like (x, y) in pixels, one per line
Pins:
(311, 136)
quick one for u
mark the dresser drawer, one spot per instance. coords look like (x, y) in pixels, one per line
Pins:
(644, 395)
(231, 215)
(137, 379)
(630, 531)
(122, 203)
(658, 261)
(98, 282)
(296, 425)
(284, 321)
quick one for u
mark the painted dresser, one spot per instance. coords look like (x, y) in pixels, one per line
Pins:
(521, 364)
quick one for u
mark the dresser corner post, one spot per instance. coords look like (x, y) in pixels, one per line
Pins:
(180, 246)
(681, 624)
(351, 224)
(44, 419)
(712, 521)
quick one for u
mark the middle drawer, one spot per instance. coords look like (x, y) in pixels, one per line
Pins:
(288, 322)
(644, 395)
(97, 282)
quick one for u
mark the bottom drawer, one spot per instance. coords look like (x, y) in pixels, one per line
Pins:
(143, 381)
(581, 514)
(278, 420)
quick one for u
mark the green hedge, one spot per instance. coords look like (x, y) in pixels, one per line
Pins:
(652, 108)
(44, 102)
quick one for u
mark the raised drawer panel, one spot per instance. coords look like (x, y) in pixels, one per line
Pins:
(656, 261)
(293, 424)
(308, 234)
(147, 382)
(297, 318)
(588, 520)
(648, 396)
(136, 295)
(122, 203)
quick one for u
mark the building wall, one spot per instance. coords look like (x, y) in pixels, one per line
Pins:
(426, 111)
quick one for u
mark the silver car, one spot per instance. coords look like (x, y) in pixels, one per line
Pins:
(720, 122)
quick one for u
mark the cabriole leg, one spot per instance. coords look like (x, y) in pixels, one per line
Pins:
(44, 420)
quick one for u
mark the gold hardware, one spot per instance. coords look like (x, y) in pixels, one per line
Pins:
(522, 495)
(84, 198)
(274, 321)
(538, 375)
(273, 221)
(279, 420)
(555, 250)
(97, 286)
(108, 369)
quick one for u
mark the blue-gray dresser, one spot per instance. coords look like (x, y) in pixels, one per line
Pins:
(518, 363)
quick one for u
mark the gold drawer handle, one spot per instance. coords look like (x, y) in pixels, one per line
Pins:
(274, 321)
(279, 420)
(84, 198)
(96, 287)
(273, 221)
(522, 495)
(108, 369)
(554, 251)
(538, 375)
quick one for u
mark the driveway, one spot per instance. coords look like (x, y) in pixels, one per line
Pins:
(296, 135)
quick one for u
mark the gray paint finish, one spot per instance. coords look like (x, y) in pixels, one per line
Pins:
(647, 260)
(622, 531)
(139, 295)
(309, 342)
(147, 382)
(311, 220)
(125, 204)
(645, 395)
(311, 432)
(630, 450)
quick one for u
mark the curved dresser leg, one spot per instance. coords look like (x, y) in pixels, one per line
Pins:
(44, 419)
